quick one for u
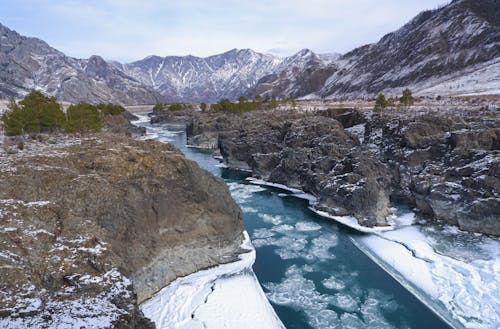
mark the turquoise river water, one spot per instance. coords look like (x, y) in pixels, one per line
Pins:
(309, 267)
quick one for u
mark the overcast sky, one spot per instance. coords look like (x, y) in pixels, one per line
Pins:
(128, 30)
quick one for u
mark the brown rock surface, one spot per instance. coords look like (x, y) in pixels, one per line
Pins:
(79, 216)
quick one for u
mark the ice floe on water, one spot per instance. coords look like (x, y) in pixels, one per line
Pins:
(307, 226)
(337, 310)
(333, 283)
(455, 271)
(243, 192)
(227, 296)
(292, 242)
(271, 219)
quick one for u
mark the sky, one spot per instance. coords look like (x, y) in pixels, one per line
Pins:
(128, 30)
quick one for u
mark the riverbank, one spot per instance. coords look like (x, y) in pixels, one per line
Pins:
(226, 296)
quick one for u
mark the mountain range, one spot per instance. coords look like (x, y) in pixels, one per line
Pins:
(452, 50)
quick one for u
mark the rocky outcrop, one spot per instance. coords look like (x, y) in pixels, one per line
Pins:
(92, 225)
(121, 124)
(312, 153)
(442, 161)
(445, 163)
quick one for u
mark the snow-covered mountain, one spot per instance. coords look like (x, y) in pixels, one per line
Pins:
(227, 75)
(302, 73)
(451, 50)
(190, 78)
(30, 63)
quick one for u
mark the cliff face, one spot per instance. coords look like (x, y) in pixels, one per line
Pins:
(82, 216)
(308, 152)
(444, 162)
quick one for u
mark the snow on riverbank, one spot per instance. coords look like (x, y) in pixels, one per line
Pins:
(227, 296)
(348, 221)
(455, 273)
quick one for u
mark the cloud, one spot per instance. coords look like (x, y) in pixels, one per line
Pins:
(132, 29)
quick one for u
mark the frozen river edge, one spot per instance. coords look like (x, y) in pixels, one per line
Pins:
(226, 296)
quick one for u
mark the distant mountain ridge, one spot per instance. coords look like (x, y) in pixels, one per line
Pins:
(451, 50)
(454, 49)
(30, 63)
(190, 78)
(227, 75)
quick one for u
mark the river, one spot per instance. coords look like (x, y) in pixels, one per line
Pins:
(319, 274)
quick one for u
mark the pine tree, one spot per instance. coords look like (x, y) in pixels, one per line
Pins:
(83, 117)
(407, 98)
(380, 102)
(35, 113)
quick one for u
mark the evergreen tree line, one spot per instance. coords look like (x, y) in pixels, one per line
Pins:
(245, 105)
(405, 100)
(37, 113)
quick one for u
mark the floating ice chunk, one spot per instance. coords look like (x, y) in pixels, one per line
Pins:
(276, 219)
(351, 321)
(262, 233)
(320, 249)
(346, 303)
(300, 293)
(249, 210)
(283, 229)
(307, 226)
(243, 192)
(333, 283)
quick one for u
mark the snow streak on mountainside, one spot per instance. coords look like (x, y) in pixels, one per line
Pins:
(190, 78)
(439, 51)
(30, 63)
(227, 75)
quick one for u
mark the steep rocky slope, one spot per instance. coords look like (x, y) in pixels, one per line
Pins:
(30, 63)
(226, 75)
(434, 53)
(192, 79)
(442, 161)
(301, 74)
(92, 225)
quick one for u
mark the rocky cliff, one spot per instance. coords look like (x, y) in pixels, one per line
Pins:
(445, 163)
(311, 153)
(92, 225)
(442, 161)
